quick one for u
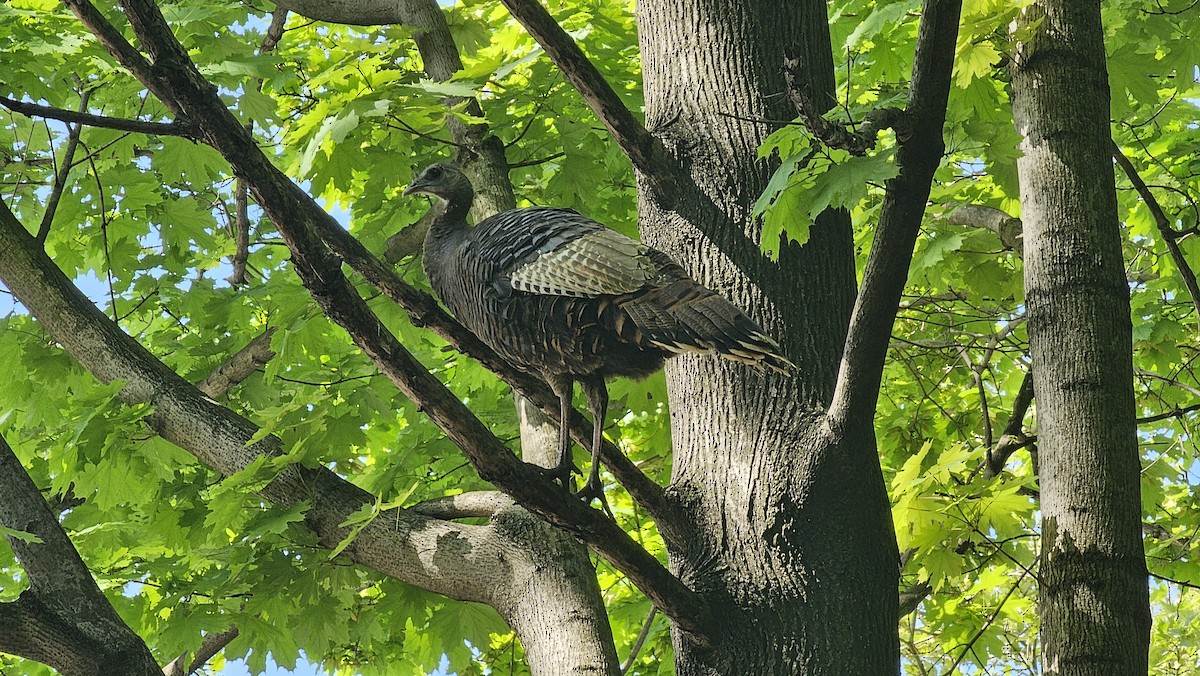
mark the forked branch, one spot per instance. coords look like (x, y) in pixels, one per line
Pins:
(64, 170)
(1013, 438)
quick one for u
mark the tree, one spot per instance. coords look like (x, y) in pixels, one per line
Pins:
(1093, 596)
(323, 524)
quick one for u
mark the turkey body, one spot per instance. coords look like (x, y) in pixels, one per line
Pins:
(552, 334)
(564, 297)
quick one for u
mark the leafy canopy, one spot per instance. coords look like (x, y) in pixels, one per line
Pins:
(144, 224)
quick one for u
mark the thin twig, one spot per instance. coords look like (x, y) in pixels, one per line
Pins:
(540, 160)
(987, 624)
(1181, 583)
(64, 168)
(641, 639)
(108, 273)
(1177, 413)
(983, 403)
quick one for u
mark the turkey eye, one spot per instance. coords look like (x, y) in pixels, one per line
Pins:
(434, 173)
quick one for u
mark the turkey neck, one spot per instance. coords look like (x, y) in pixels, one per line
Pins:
(447, 230)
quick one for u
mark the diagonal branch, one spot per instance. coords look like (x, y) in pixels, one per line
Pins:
(1169, 235)
(647, 153)
(62, 619)
(967, 647)
(299, 219)
(209, 647)
(886, 272)
(89, 120)
(238, 367)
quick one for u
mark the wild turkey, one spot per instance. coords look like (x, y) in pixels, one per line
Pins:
(562, 296)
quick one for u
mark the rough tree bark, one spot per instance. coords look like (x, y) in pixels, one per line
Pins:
(792, 541)
(1093, 593)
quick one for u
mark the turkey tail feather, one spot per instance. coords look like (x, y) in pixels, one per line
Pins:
(683, 316)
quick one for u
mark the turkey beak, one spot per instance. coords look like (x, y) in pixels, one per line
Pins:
(414, 188)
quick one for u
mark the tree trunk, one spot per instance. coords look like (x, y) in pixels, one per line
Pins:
(1093, 594)
(62, 618)
(558, 611)
(792, 543)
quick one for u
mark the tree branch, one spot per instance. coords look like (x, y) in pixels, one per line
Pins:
(209, 647)
(1176, 413)
(640, 641)
(1013, 438)
(911, 598)
(238, 367)
(996, 613)
(833, 134)
(241, 234)
(1169, 235)
(63, 619)
(1007, 228)
(64, 169)
(241, 194)
(651, 159)
(464, 505)
(89, 120)
(918, 157)
(354, 12)
(299, 219)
